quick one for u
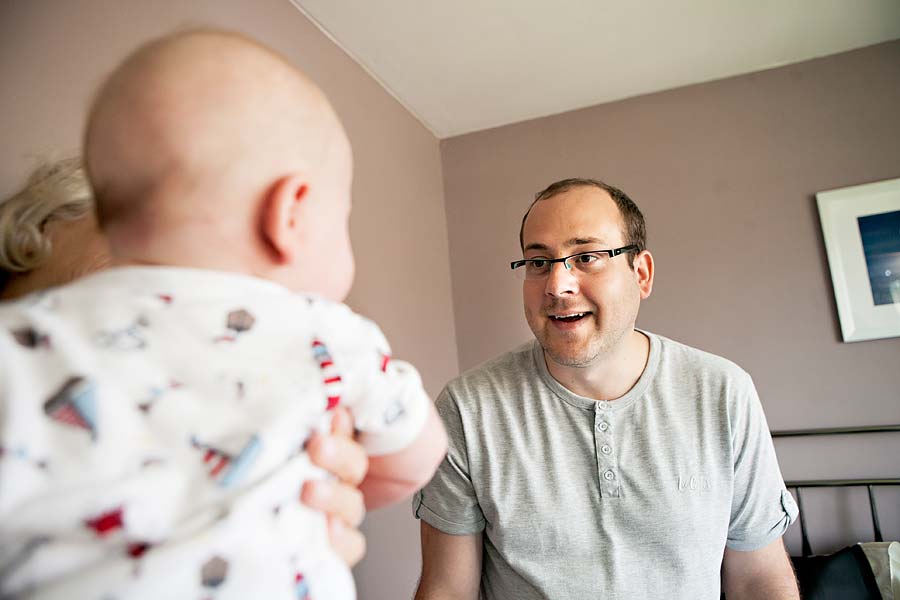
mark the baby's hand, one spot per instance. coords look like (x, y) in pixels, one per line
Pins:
(340, 499)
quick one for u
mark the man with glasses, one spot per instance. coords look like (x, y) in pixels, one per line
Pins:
(601, 461)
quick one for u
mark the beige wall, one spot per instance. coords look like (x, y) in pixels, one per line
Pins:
(726, 174)
(53, 54)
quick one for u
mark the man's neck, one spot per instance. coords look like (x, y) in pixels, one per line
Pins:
(611, 375)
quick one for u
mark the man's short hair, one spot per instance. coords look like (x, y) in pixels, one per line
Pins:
(635, 231)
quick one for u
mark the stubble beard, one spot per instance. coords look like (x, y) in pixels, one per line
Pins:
(575, 353)
(572, 350)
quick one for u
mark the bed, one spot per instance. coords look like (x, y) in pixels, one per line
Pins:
(868, 569)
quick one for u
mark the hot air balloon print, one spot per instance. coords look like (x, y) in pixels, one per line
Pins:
(237, 322)
(214, 572)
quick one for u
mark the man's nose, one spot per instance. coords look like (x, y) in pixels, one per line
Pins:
(561, 280)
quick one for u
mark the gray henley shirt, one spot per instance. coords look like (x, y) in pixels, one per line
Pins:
(633, 498)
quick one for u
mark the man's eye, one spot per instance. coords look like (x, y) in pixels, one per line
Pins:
(538, 263)
(587, 259)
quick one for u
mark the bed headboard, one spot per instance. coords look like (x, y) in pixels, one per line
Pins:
(799, 485)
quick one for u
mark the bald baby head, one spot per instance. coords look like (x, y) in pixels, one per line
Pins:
(192, 135)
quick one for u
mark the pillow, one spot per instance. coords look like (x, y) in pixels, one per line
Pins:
(844, 575)
(884, 558)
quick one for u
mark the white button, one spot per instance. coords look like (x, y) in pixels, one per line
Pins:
(609, 475)
(602, 425)
(605, 449)
(603, 405)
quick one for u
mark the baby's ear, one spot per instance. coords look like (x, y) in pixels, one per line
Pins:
(281, 216)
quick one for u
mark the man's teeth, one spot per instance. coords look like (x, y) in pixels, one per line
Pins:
(570, 317)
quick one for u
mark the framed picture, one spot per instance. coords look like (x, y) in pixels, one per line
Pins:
(861, 225)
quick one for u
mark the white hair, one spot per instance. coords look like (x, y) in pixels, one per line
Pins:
(54, 191)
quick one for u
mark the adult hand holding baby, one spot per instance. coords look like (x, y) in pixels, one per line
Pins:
(340, 499)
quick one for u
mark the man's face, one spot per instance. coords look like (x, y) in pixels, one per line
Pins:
(578, 317)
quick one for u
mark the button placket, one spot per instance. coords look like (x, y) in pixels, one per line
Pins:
(607, 466)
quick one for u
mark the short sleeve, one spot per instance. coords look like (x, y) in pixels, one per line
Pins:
(449, 502)
(762, 509)
(386, 396)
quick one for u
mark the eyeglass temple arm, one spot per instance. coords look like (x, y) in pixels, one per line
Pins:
(622, 250)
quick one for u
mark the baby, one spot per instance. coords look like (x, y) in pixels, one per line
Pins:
(153, 416)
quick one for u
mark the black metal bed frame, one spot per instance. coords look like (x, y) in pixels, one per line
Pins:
(820, 483)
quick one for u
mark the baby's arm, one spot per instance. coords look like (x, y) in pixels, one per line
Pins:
(395, 418)
(398, 475)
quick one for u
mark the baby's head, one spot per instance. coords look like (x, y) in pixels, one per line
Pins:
(206, 149)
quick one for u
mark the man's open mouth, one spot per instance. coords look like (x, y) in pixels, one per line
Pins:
(570, 318)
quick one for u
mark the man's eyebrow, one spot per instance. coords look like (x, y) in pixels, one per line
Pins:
(570, 242)
(536, 247)
(583, 241)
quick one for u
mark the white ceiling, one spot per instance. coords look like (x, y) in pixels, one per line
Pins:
(466, 65)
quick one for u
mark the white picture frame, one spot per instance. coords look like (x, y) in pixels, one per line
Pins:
(857, 224)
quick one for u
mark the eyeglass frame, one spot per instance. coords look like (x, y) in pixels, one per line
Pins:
(565, 259)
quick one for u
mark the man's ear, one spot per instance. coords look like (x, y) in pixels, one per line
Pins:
(281, 216)
(643, 272)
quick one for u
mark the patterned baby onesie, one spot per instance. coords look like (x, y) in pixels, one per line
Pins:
(152, 431)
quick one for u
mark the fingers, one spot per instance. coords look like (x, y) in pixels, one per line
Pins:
(340, 456)
(349, 543)
(338, 500)
(342, 423)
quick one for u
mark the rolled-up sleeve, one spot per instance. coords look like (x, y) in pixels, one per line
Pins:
(762, 509)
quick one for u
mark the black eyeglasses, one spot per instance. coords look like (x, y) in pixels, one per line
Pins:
(587, 263)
